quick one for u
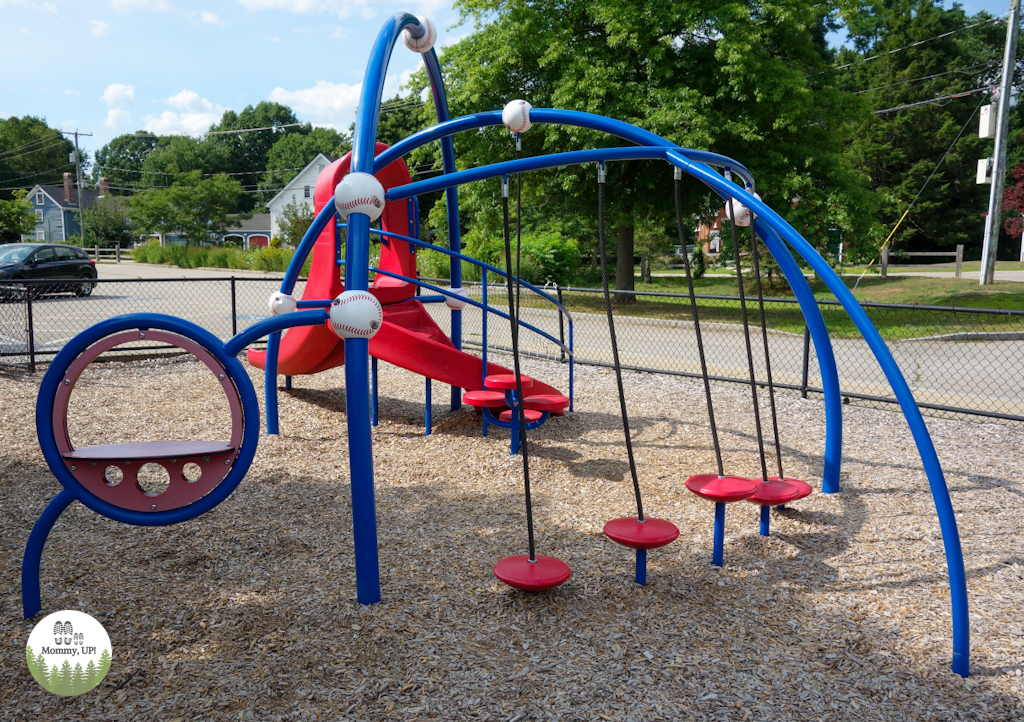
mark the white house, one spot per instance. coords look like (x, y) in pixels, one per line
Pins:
(299, 189)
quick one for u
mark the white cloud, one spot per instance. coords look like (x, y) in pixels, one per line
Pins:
(126, 6)
(117, 117)
(48, 8)
(190, 101)
(68, 91)
(119, 94)
(197, 115)
(25, 31)
(99, 28)
(211, 18)
(272, 39)
(324, 102)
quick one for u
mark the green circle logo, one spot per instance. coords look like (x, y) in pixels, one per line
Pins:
(68, 653)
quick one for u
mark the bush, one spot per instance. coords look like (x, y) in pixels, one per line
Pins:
(697, 265)
(261, 259)
(545, 258)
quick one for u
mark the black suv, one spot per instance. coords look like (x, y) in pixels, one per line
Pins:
(68, 264)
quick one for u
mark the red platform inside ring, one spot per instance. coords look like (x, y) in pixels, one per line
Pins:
(536, 576)
(774, 492)
(651, 534)
(488, 399)
(803, 486)
(506, 381)
(529, 414)
(724, 489)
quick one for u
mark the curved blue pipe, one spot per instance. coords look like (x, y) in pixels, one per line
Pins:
(929, 459)
(826, 358)
(475, 262)
(471, 302)
(576, 118)
(305, 246)
(312, 317)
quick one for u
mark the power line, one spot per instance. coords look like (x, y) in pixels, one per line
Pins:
(41, 139)
(40, 172)
(964, 94)
(34, 150)
(217, 132)
(963, 71)
(204, 175)
(914, 45)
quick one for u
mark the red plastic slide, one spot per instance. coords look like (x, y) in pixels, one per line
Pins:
(408, 338)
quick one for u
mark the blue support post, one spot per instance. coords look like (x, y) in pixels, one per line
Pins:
(373, 386)
(719, 542)
(31, 599)
(483, 333)
(428, 409)
(641, 566)
(270, 381)
(765, 520)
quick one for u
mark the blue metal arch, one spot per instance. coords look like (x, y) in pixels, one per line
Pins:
(929, 459)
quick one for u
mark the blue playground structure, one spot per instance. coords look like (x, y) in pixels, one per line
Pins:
(82, 471)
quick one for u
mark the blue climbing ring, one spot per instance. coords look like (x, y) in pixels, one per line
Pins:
(144, 321)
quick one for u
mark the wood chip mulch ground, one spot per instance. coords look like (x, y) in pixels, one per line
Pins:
(249, 612)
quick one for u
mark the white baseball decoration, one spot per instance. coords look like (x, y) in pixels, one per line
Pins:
(282, 303)
(454, 303)
(516, 116)
(422, 44)
(742, 213)
(359, 193)
(356, 314)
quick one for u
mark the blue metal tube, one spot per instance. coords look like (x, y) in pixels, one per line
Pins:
(557, 117)
(317, 303)
(357, 352)
(717, 550)
(475, 262)
(511, 167)
(641, 566)
(427, 415)
(765, 520)
(823, 348)
(31, 598)
(236, 344)
(471, 302)
(483, 333)
(373, 387)
(305, 246)
(929, 459)
(270, 381)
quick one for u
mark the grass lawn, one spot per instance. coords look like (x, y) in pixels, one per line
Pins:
(892, 323)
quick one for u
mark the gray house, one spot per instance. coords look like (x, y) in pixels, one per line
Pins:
(57, 211)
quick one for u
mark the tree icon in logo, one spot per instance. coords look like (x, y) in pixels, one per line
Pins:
(72, 661)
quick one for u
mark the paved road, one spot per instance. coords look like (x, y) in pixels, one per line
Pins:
(986, 375)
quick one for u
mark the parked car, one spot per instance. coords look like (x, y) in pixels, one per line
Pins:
(69, 265)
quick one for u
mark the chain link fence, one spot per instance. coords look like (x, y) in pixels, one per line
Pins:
(957, 361)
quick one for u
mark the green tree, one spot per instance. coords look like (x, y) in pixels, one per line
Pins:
(91, 679)
(898, 150)
(121, 160)
(737, 78)
(192, 208)
(54, 680)
(248, 151)
(293, 151)
(107, 223)
(31, 152)
(296, 219)
(78, 679)
(104, 665)
(180, 154)
(16, 217)
(66, 685)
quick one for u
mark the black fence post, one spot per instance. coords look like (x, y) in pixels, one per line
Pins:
(31, 332)
(561, 323)
(234, 309)
(807, 361)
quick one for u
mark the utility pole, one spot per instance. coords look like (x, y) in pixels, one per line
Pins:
(78, 174)
(995, 201)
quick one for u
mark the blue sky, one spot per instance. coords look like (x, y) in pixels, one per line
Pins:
(173, 66)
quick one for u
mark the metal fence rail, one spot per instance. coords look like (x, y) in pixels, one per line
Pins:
(957, 361)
